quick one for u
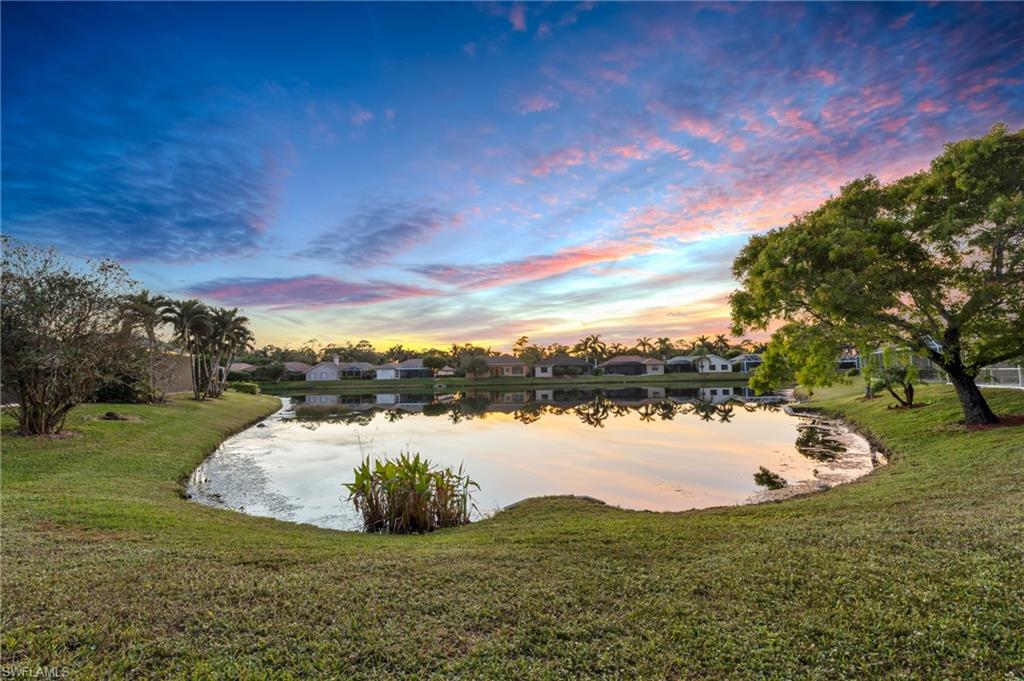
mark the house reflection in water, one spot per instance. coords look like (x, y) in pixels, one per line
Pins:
(593, 406)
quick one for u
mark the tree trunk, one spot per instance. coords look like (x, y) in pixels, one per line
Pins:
(976, 409)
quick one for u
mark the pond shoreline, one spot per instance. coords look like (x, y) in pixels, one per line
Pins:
(244, 485)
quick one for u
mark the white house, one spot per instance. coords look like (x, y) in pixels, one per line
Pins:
(747, 362)
(335, 369)
(704, 364)
(324, 371)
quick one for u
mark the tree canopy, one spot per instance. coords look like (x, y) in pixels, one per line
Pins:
(933, 262)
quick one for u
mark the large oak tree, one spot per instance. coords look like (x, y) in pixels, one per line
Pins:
(933, 262)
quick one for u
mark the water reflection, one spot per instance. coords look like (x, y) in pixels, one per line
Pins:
(592, 407)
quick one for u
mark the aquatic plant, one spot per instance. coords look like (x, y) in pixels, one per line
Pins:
(408, 495)
(767, 478)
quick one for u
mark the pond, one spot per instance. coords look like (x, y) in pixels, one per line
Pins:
(657, 449)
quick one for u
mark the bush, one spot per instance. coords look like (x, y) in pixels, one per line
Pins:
(407, 495)
(244, 387)
(239, 375)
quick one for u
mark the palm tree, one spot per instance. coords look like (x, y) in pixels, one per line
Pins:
(592, 348)
(230, 334)
(720, 344)
(192, 324)
(702, 345)
(665, 347)
(144, 311)
(644, 345)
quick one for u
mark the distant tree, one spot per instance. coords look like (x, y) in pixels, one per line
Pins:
(59, 327)
(721, 344)
(591, 348)
(665, 348)
(933, 262)
(557, 349)
(644, 345)
(475, 365)
(435, 362)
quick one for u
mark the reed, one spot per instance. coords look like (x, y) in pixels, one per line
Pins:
(408, 495)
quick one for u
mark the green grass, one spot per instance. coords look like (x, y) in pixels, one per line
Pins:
(508, 382)
(916, 571)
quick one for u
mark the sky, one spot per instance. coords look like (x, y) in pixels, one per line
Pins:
(436, 173)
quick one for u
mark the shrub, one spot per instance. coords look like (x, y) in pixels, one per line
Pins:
(408, 495)
(239, 375)
(245, 387)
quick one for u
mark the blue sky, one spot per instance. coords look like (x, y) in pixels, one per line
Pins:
(429, 173)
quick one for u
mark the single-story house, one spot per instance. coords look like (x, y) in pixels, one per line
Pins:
(633, 365)
(704, 364)
(410, 368)
(241, 367)
(445, 372)
(335, 369)
(295, 371)
(507, 365)
(746, 362)
(560, 365)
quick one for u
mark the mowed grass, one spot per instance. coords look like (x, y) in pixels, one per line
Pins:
(916, 571)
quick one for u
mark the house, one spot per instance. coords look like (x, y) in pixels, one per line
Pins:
(445, 372)
(410, 368)
(704, 364)
(335, 369)
(562, 365)
(633, 365)
(241, 367)
(746, 362)
(507, 365)
(295, 371)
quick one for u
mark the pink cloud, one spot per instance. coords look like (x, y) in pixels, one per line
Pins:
(558, 161)
(695, 126)
(304, 292)
(932, 106)
(824, 75)
(517, 17)
(894, 124)
(901, 22)
(361, 116)
(532, 268)
(536, 104)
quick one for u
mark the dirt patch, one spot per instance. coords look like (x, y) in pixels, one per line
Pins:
(1004, 422)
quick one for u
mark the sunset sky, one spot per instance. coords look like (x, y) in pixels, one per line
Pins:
(430, 173)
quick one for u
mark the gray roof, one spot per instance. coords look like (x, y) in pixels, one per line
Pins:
(632, 359)
(297, 366)
(564, 360)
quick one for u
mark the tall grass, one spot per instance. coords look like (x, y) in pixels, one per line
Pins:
(408, 495)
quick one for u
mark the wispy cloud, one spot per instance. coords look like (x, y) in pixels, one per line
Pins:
(303, 292)
(378, 232)
(532, 268)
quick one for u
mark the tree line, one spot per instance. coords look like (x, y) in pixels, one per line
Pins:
(592, 348)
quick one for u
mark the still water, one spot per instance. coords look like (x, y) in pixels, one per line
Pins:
(658, 449)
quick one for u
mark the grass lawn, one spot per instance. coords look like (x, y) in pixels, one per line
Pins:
(916, 571)
(510, 383)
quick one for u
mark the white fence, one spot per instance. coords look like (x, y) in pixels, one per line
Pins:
(1001, 377)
